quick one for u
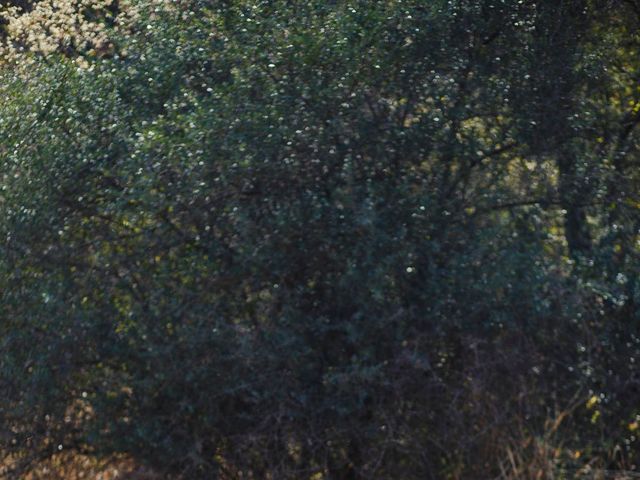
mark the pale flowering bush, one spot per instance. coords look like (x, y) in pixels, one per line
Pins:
(77, 28)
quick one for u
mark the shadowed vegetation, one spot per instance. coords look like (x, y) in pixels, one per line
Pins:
(320, 240)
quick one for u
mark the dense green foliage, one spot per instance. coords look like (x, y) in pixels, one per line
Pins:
(328, 240)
